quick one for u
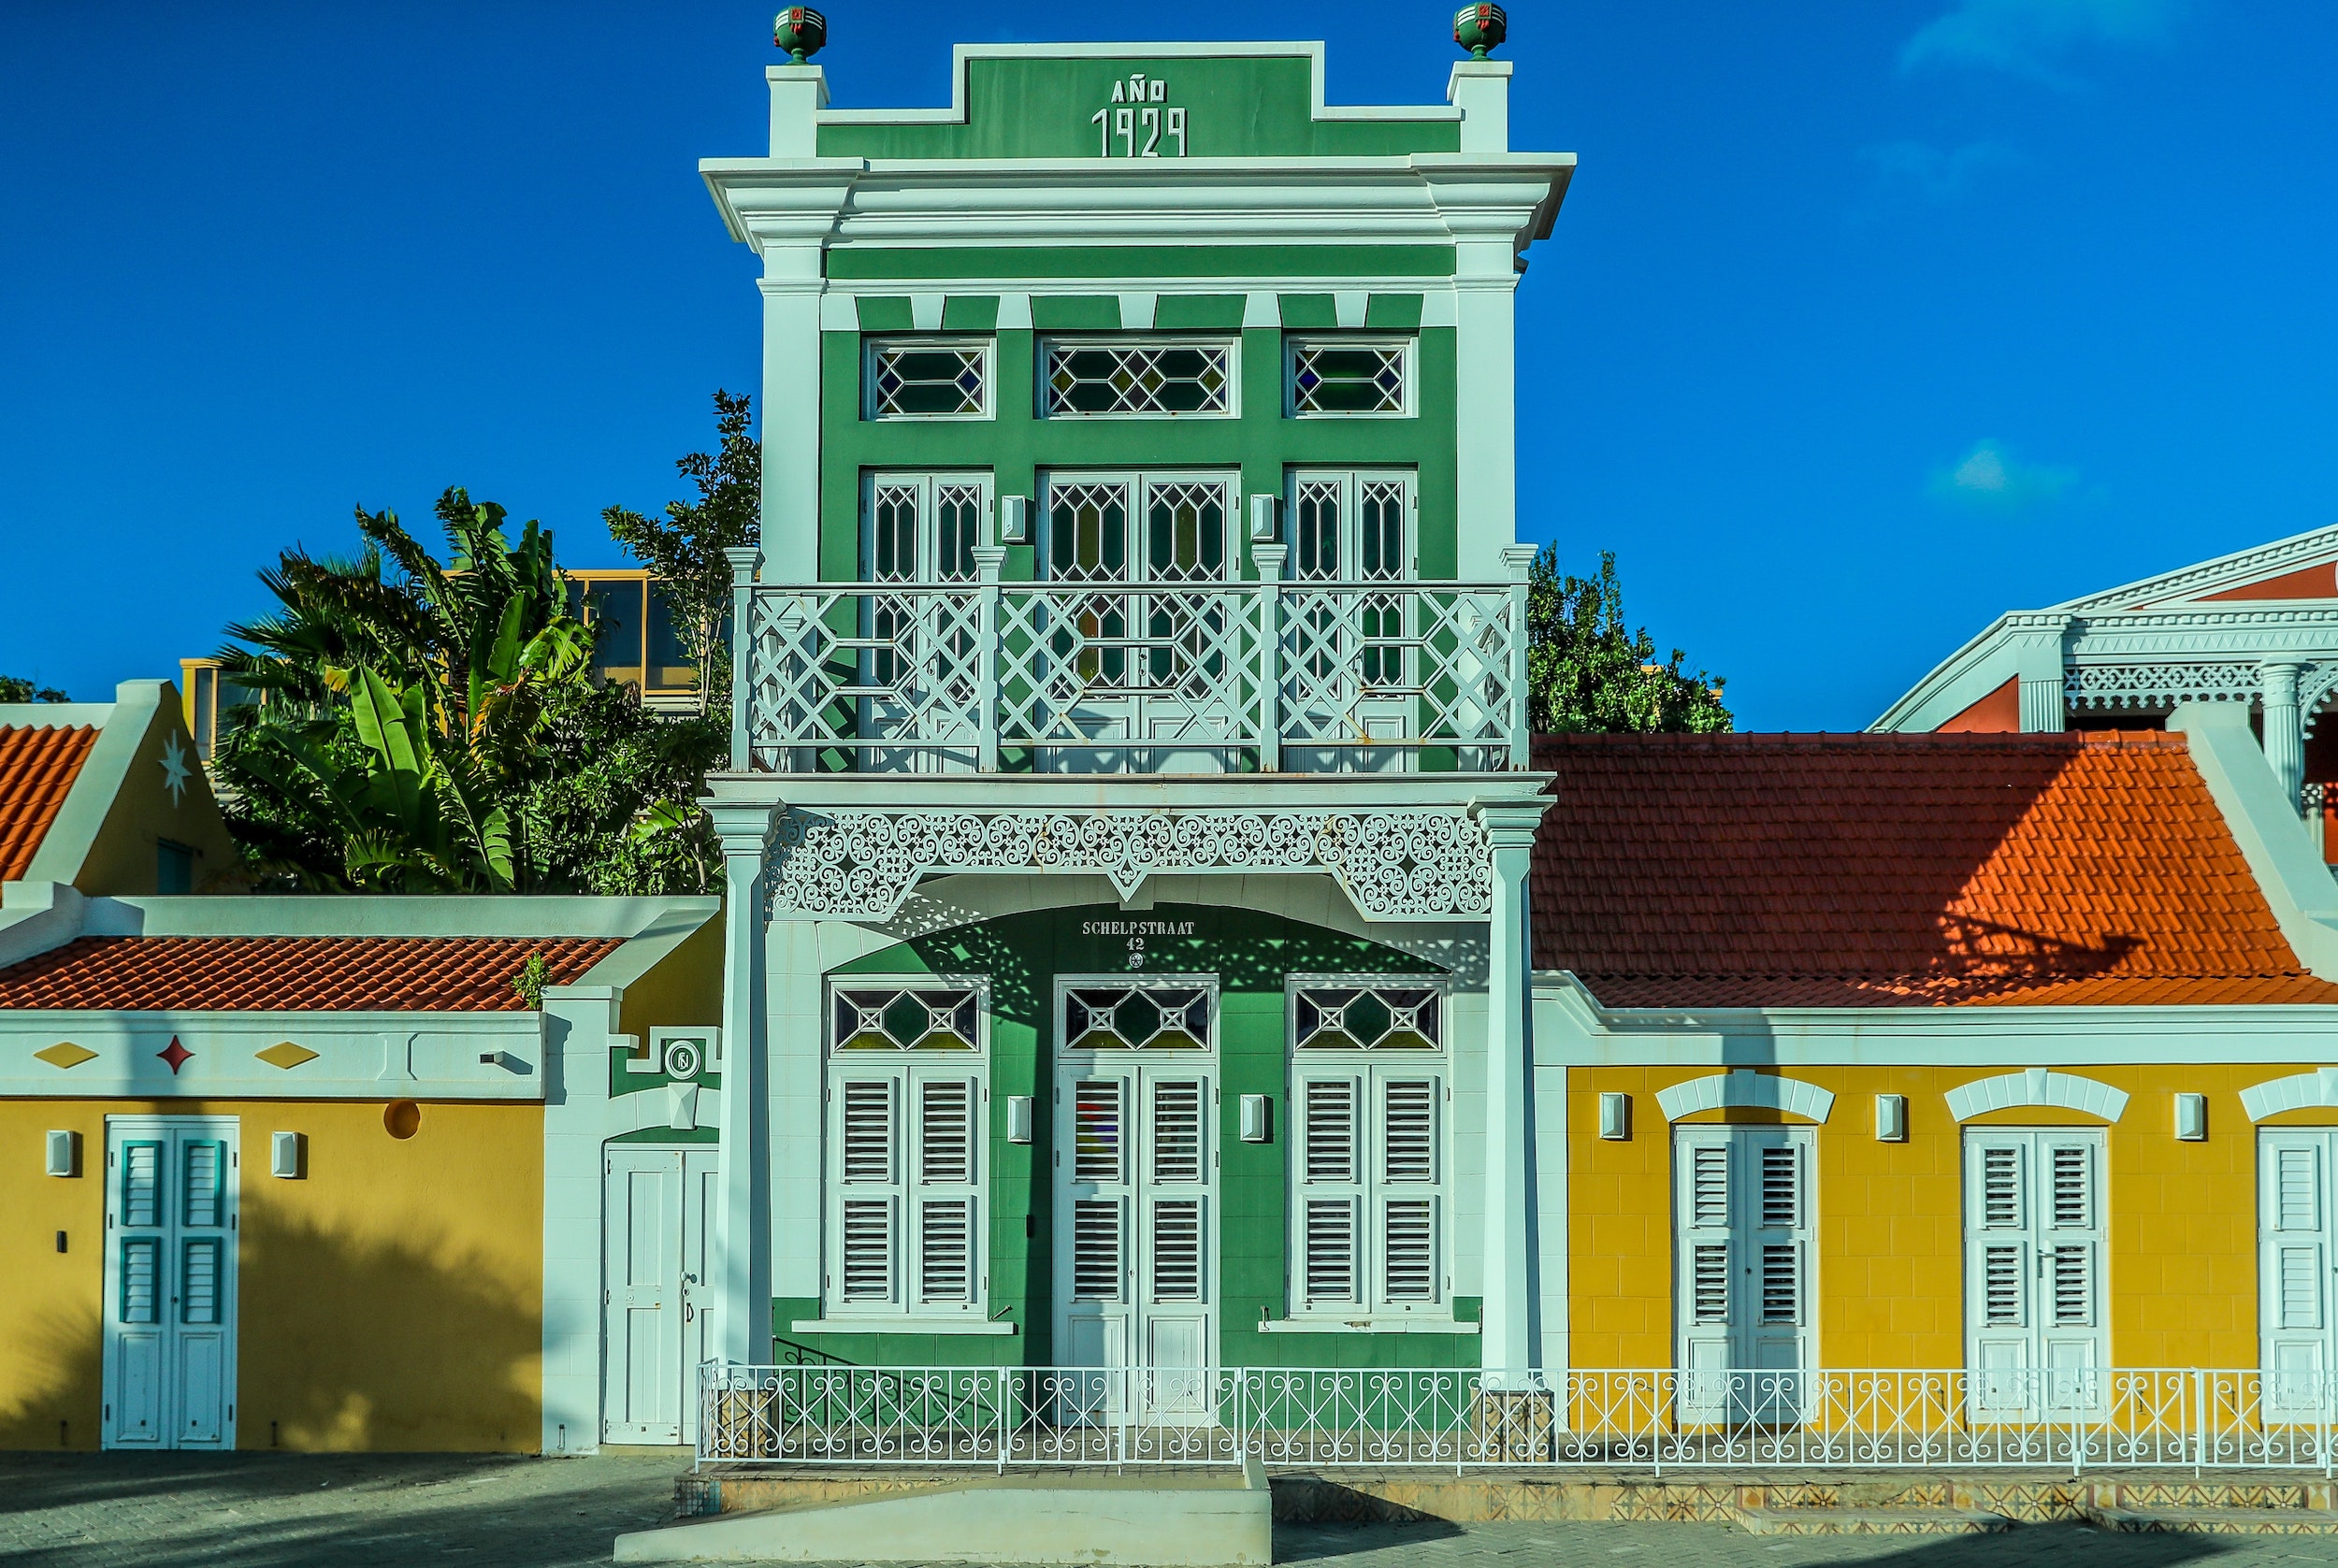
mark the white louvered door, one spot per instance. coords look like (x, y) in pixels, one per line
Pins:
(2037, 1321)
(1368, 1219)
(170, 1281)
(1743, 1287)
(905, 1168)
(1136, 1230)
(2295, 1258)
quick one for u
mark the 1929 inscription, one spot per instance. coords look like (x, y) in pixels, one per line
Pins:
(1141, 118)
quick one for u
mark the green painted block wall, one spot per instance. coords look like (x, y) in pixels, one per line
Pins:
(1252, 954)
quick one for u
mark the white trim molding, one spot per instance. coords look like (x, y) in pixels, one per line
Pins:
(2037, 1086)
(1742, 1085)
(2299, 1091)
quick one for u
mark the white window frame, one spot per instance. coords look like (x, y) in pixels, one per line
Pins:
(1370, 1189)
(1141, 484)
(872, 346)
(1352, 482)
(2295, 1269)
(929, 484)
(1407, 344)
(905, 1189)
(1048, 344)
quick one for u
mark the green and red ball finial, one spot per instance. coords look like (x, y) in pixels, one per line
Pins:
(1480, 29)
(801, 30)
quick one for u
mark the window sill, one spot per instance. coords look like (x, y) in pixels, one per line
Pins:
(876, 1325)
(1364, 1326)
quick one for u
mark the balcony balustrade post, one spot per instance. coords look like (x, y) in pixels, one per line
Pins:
(1520, 559)
(745, 562)
(1270, 559)
(989, 558)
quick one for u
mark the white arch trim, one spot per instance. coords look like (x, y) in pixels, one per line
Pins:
(2037, 1086)
(1742, 1085)
(2297, 1092)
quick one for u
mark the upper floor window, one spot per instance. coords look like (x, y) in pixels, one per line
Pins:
(922, 527)
(1153, 378)
(929, 378)
(1350, 376)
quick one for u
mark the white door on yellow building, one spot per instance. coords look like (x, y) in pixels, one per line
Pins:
(2036, 1332)
(658, 1205)
(2296, 1170)
(1743, 1286)
(170, 1281)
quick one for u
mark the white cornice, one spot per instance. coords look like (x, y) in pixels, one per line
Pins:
(2298, 551)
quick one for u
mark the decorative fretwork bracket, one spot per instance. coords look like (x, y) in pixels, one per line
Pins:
(1413, 863)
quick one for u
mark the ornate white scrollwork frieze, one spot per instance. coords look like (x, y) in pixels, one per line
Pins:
(2155, 685)
(1410, 863)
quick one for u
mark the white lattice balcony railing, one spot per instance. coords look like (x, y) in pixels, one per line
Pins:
(1130, 678)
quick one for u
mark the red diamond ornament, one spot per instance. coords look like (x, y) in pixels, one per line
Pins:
(174, 1054)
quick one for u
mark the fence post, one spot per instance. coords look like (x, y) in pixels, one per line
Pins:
(1270, 558)
(1520, 559)
(987, 560)
(743, 561)
(1005, 1429)
(2200, 1421)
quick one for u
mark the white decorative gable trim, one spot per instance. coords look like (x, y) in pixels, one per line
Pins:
(2299, 1091)
(2037, 1086)
(1742, 1085)
(2276, 560)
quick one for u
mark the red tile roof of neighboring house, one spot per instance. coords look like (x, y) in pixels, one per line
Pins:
(1898, 871)
(37, 766)
(293, 974)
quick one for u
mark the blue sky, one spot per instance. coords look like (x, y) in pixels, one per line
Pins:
(1862, 322)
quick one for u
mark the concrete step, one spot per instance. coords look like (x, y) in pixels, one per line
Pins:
(2217, 1522)
(1870, 1521)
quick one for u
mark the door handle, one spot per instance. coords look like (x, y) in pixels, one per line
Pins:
(687, 1310)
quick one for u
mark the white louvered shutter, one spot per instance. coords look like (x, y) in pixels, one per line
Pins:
(2037, 1327)
(869, 1191)
(1704, 1175)
(1330, 1190)
(1411, 1270)
(1177, 1158)
(2295, 1257)
(948, 1109)
(2071, 1315)
(2000, 1274)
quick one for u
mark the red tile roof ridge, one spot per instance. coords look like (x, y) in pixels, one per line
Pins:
(1871, 741)
(292, 974)
(39, 764)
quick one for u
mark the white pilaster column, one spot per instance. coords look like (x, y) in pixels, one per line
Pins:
(1508, 1341)
(2285, 726)
(2039, 647)
(1486, 353)
(790, 423)
(742, 1231)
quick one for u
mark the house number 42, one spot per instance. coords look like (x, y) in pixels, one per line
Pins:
(1143, 123)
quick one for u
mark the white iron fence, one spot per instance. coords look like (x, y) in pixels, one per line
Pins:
(1317, 1419)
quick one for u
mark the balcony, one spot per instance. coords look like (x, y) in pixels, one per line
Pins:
(1147, 678)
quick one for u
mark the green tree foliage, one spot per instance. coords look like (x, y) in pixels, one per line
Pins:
(16, 688)
(682, 546)
(433, 727)
(1588, 673)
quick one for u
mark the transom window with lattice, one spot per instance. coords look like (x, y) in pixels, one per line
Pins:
(1367, 1017)
(1141, 1015)
(905, 1018)
(1090, 379)
(1350, 376)
(930, 379)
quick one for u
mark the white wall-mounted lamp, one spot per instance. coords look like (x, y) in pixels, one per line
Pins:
(1013, 519)
(1891, 1119)
(63, 1155)
(2191, 1117)
(1265, 511)
(287, 1155)
(1257, 1119)
(1018, 1118)
(1615, 1116)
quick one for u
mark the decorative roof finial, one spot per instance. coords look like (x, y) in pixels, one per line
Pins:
(1480, 29)
(801, 30)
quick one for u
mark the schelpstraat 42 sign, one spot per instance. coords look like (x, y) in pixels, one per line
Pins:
(1140, 121)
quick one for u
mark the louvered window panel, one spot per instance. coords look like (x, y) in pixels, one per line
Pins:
(1408, 1231)
(1178, 1250)
(2300, 1287)
(868, 1249)
(869, 1132)
(1096, 1249)
(945, 1251)
(2001, 1287)
(945, 1131)
(1178, 1130)
(141, 1280)
(198, 1281)
(1331, 1250)
(1709, 1186)
(1331, 1131)
(2000, 1189)
(204, 1165)
(2073, 1204)
(1096, 1129)
(1709, 1282)
(1410, 1134)
(141, 1184)
(2297, 1204)
(1781, 1283)
(1782, 1186)
(2073, 1284)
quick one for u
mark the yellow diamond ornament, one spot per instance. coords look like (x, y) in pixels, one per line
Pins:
(65, 1054)
(286, 1055)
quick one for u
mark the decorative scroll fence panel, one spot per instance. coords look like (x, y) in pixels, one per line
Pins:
(1172, 677)
(1323, 1417)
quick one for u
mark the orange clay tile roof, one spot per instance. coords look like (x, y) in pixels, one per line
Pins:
(293, 974)
(37, 766)
(1898, 871)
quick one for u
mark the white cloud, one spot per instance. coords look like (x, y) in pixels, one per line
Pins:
(1990, 475)
(2026, 38)
(1932, 173)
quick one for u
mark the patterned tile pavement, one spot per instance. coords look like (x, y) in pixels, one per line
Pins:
(277, 1511)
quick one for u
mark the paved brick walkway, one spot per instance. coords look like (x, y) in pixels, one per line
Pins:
(271, 1511)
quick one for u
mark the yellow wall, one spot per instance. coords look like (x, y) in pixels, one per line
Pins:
(684, 988)
(1890, 1233)
(123, 857)
(392, 1299)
